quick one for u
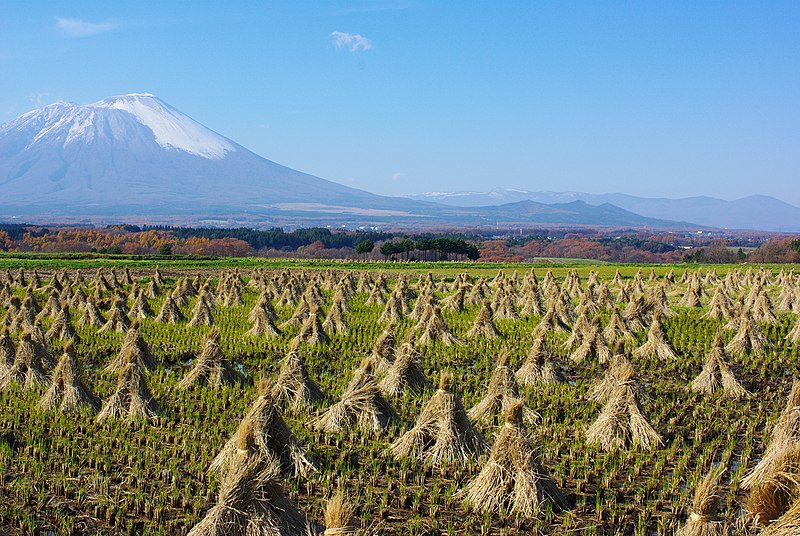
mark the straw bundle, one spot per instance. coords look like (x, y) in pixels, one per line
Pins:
(484, 326)
(51, 308)
(513, 479)
(211, 366)
(293, 386)
(405, 373)
(339, 517)
(251, 501)
(383, 350)
(794, 334)
(117, 320)
(703, 520)
(134, 350)
(657, 344)
(773, 496)
(271, 438)
(504, 308)
(619, 371)
(621, 422)
(140, 308)
(201, 314)
(263, 323)
(30, 364)
(392, 312)
(691, 298)
(749, 338)
(132, 399)
(67, 392)
(7, 351)
(311, 332)
(503, 391)
(717, 374)
(786, 434)
(443, 434)
(375, 297)
(437, 330)
(539, 366)
(617, 329)
(299, 315)
(62, 327)
(335, 322)
(551, 322)
(170, 312)
(362, 406)
(91, 315)
(455, 302)
(762, 310)
(593, 345)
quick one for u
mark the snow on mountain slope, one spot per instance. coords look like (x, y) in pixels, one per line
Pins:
(170, 127)
(135, 154)
(69, 123)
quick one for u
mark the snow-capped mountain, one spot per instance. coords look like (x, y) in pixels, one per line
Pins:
(136, 157)
(135, 154)
(67, 124)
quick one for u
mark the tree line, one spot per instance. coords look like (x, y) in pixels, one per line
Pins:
(430, 249)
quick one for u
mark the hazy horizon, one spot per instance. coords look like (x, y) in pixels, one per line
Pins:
(669, 100)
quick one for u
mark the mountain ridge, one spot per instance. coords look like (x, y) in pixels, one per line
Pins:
(135, 156)
(754, 212)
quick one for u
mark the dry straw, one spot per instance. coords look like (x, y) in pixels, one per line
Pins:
(621, 422)
(271, 437)
(657, 344)
(443, 434)
(340, 517)
(7, 351)
(67, 392)
(91, 316)
(786, 434)
(62, 327)
(779, 488)
(170, 312)
(251, 500)
(513, 479)
(294, 387)
(484, 326)
(362, 406)
(539, 366)
(211, 367)
(116, 320)
(437, 330)
(311, 332)
(132, 399)
(201, 314)
(405, 373)
(263, 319)
(703, 519)
(716, 373)
(749, 338)
(30, 365)
(503, 391)
(134, 350)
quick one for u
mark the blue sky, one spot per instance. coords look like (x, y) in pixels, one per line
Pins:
(649, 98)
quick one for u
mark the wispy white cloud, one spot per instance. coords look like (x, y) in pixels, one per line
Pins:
(82, 28)
(38, 98)
(397, 176)
(354, 42)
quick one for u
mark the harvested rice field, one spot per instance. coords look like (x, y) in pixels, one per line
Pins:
(256, 400)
